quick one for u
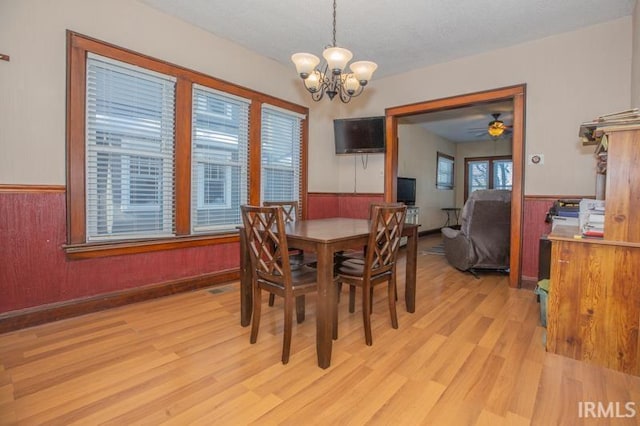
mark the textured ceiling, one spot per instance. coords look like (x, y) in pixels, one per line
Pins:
(399, 35)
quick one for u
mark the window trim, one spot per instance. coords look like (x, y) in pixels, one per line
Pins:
(489, 159)
(439, 156)
(78, 47)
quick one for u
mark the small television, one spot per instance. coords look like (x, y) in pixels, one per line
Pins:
(359, 135)
(406, 191)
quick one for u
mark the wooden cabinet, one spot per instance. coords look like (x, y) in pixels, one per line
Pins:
(593, 311)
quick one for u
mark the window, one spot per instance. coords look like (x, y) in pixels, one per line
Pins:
(130, 145)
(220, 135)
(281, 152)
(488, 173)
(444, 171)
(160, 156)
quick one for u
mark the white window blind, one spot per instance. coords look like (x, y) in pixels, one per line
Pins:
(444, 172)
(130, 138)
(220, 152)
(281, 137)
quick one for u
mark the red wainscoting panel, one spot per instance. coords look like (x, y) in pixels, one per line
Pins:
(34, 270)
(534, 226)
(323, 205)
(357, 205)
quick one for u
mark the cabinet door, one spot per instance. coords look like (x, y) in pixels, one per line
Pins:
(623, 187)
(594, 304)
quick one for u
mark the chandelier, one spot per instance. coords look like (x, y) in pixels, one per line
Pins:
(331, 78)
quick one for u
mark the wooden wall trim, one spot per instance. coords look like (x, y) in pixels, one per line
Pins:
(90, 251)
(345, 194)
(517, 94)
(32, 188)
(29, 317)
(556, 197)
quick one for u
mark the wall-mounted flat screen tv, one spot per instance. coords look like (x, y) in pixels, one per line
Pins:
(359, 135)
(406, 190)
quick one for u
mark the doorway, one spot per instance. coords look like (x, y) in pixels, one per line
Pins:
(517, 94)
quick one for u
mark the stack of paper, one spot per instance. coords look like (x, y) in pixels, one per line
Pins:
(592, 218)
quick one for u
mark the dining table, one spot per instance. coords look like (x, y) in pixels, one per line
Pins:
(325, 237)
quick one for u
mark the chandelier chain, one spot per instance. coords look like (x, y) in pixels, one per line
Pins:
(334, 23)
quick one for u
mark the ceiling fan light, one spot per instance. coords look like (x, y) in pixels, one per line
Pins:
(305, 63)
(337, 58)
(496, 128)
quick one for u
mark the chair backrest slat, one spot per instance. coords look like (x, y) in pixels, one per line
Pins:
(387, 223)
(266, 239)
(290, 209)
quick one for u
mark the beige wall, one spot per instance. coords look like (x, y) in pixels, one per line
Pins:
(32, 84)
(571, 78)
(417, 154)
(635, 69)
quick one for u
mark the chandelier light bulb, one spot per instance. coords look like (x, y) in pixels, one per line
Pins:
(312, 83)
(363, 70)
(351, 83)
(337, 58)
(305, 63)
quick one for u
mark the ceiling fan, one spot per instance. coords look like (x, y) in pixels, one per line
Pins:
(495, 129)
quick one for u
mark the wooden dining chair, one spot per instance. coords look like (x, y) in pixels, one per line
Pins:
(266, 240)
(379, 264)
(297, 257)
(358, 256)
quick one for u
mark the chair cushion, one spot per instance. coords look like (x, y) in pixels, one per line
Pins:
(349, 268)
(303, 275)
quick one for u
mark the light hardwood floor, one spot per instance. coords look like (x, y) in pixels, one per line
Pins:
(472, 353)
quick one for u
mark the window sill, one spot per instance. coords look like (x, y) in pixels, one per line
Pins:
(106, 249)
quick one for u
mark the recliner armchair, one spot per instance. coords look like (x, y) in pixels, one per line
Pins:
(483, 240)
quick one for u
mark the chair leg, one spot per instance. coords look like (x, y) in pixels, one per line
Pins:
(288, 322)
(300, 309)
(338, 291)
(366, 315)
(272, 299)
(334, 313)
(255, 321)
(352, 298)
(392, 302)
(371, 300)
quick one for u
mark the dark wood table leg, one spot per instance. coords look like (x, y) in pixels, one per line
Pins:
(246, 296)
(325, 301)
(410, 277)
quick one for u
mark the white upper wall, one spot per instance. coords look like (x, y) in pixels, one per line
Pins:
(570, 78)
(33, 83)
(417, 158)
